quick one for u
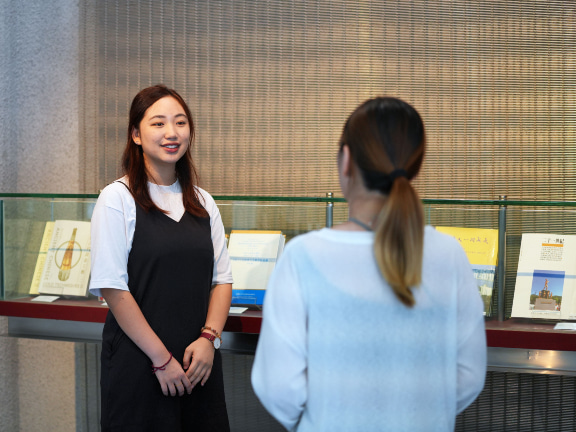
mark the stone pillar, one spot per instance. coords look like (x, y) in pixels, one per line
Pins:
(39, 152)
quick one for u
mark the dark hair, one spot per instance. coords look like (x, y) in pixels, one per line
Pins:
(133, 156)
(386, 139)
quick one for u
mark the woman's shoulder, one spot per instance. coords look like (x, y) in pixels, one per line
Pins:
(438, 238)
(331, 237)
(308, 240)
(204, 193)
(116, 194)
(206, 199)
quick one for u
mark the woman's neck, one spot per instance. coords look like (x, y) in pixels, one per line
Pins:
(366, 209)
(161, 177)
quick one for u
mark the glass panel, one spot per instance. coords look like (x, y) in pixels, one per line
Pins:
(24, 221)
(524, 220)
(464, 216)
(290, 217)
(476, 218)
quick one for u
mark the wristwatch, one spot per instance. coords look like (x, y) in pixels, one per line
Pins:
(216, 341)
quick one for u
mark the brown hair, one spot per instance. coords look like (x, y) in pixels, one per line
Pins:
(133, 156)
(386, 139)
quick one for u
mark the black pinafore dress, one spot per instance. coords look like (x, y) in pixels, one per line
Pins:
(170, 270)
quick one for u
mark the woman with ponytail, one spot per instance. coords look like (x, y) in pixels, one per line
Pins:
(375, 324)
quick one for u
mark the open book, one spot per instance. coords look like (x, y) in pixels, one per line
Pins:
(253, 256)
(481, 247)
(546, 277)
(64, 258)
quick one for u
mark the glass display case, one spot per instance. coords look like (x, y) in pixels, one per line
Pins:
(23, 221)
(513, 341)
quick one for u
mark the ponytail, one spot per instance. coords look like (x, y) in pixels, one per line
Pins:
(387, 141)
(399, 240)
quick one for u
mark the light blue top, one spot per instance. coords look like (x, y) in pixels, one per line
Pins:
(339, 352)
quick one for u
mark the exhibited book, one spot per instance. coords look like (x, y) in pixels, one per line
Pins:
(481, 247)
(66, 270)
(546, 277)
(253, 256)
(41, 260)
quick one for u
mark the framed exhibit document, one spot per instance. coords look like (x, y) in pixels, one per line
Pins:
(67, 261)
(253, 256)
(481, 247)
(546, 277)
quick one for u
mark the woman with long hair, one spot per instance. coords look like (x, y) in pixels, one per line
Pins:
(160, 261)
(376, 324)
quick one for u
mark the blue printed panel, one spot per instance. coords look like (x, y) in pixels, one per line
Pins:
(248, 297)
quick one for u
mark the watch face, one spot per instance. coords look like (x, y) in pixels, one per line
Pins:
(216, 343)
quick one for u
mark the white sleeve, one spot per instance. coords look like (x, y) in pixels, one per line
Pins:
(222, 270)
(112, 230)
(472, 350)
(280, 364)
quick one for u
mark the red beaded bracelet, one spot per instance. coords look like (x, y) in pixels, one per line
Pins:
(163, 367)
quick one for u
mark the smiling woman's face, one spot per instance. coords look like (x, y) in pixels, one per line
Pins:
(164, 135)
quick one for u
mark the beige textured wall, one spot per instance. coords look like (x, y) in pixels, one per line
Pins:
(9, 407)
(39, 96)
(46, 386)
(38, 153)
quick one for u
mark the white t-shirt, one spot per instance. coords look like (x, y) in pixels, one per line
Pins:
(112, 231)
(339, 352)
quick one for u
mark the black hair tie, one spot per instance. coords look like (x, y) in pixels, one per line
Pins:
(397, 173)
(382, 182)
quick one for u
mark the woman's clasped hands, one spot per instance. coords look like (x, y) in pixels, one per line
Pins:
(176, 379)
(198, 361)
(172, 378)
